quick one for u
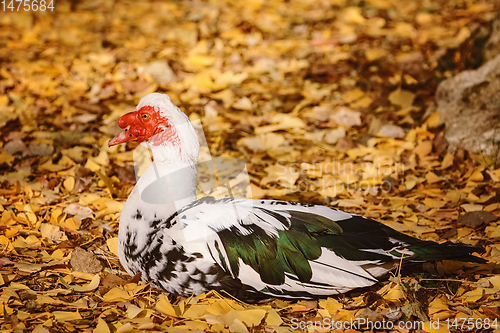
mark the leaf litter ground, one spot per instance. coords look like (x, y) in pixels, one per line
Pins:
(325, 101)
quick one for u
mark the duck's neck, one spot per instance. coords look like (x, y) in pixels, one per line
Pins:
(169, 181)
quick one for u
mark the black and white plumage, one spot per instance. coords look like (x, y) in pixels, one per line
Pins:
(246, 247)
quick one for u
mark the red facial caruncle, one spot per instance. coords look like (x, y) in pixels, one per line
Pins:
(145, 125)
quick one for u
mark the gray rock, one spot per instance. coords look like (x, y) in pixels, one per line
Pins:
(469, 104)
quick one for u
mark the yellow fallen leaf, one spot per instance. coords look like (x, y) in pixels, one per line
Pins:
(395, 294)
(353, 95)
(438, 304)
(92, 165)
(374, 54)
(410, 79)
(126, 328)
(281, 122)
(198, 326)
(494, 174)
(348, 203)
(433, 120)
(243, 104)
(423, 148)
(495, 282)
(226, 96)
(299, 308)
(263, 142)
(57, 254)
(113, 245)
(495, 233)
(28, 267)
(431, 178)
(71, 224)
(252, 317)
(52, 232)
(62, 316)
(195, 311)
(364, 102)
(410, 183)
(102, 159)
(473, 295)
(237, 327)
(203, 81)
(471, 207)
(39, 329)
(229, 77)
(69, 183)
(87, 198)
(273, 318)
(164, 306)
(476, 176)
(133, 311)
(220, 307)
(52, 167)
(4, 100)
(403, 98)
(352, 15)
(447, 161)
(330, 304)
(108, 206)
(91, 286)
(101, 327)
(6, 158)
(11, 232)
(116, 295)
(198, 61)
(492, 207)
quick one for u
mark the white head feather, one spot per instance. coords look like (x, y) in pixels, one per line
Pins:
(186, 150)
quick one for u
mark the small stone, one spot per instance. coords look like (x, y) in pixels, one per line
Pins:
(476, 219)
(39, 149)
(84, 261)
(392, 131)
(15, 146)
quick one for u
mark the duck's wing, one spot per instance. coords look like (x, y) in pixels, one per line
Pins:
(284, 248)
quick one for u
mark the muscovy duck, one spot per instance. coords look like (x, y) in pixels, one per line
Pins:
(245, 247)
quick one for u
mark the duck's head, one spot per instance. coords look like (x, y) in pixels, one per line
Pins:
(161, 126)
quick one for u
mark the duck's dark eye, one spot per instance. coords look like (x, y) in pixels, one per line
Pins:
(145, 116)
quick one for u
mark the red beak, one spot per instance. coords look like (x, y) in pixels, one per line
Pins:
(124, 121)
(121, 138)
